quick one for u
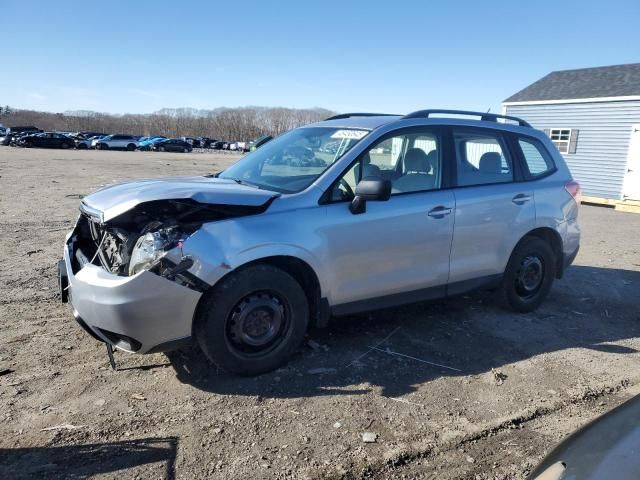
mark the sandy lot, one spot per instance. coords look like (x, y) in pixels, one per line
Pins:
(508, 388)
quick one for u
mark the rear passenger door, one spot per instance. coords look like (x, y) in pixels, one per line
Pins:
(494, 210)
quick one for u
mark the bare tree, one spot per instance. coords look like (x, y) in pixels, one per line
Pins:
(237, 124)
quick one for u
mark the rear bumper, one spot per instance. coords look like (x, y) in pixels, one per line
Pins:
(143, 313)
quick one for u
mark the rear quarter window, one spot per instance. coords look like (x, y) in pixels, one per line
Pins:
(537, 160)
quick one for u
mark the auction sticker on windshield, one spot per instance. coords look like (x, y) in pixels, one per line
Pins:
(354, 134)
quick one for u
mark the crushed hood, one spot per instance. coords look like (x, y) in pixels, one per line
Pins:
(115, 199)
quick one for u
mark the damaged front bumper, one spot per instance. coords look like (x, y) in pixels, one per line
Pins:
(143, 313)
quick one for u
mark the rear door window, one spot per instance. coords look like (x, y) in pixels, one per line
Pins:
(481, 158)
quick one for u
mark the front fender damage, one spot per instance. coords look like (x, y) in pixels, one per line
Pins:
(111, 243)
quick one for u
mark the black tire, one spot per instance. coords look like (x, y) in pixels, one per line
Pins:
(102, 146)
(131, 147)
(65, 146)
(529, 275)
(257, 297)
(161, 149)
(82, 146)
(185, 150)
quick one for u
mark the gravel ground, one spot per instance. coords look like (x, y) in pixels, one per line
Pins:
(486, 394)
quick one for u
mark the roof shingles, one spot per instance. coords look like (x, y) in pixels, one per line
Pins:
(612, 81)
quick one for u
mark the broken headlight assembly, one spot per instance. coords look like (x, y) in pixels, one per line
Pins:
(151, 247)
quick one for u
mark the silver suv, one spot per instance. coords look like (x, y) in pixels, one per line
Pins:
(358, 212)
(117, 142)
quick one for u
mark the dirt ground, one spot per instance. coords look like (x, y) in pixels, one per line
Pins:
(481, 393)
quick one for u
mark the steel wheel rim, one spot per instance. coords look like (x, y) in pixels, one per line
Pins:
(257, 324)
(529, 276)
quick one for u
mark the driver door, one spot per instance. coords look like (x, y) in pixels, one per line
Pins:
(397, 251)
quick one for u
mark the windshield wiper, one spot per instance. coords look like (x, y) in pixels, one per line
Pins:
(239, 181)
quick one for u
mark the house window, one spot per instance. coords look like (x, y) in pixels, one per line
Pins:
(560, 137)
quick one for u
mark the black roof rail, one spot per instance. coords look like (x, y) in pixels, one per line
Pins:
(490, 117)
(347, 115)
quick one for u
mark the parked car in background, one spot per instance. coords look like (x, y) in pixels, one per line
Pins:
(207, 142)
(47, 140)
(12, 133)
(86, 143)
(145, 143)
(172, 145)
(117, 142)
(218, 145)
(193, 141)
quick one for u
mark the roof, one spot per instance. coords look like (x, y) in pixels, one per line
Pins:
(611, 81)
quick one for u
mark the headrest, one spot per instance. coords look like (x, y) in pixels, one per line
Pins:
(415, 160)
(491, 162)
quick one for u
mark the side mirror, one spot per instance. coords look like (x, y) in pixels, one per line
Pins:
(369, 188)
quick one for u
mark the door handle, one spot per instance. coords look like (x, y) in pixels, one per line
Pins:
(439, 212)
(521, 199)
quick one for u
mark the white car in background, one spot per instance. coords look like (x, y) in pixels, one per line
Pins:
(117, 142)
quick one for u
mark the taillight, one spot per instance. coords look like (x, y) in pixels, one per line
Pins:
(574, 190)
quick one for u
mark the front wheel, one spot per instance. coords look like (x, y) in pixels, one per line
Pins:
(253, 321)
(529, 275)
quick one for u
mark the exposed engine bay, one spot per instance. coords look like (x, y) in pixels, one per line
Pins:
(151, 226)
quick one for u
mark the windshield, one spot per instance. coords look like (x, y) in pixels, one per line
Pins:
(291, 162)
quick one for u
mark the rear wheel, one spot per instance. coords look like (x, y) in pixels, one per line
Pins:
(186, 150)
(65, 146)
(131, 147)
(253, 321)
(102, 146)
(528, 276)
(161, 149)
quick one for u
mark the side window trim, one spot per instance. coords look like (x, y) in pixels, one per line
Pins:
(440, 131)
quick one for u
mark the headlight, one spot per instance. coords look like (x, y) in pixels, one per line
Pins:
(151, 247)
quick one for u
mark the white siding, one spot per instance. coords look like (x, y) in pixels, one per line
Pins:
(600, 161)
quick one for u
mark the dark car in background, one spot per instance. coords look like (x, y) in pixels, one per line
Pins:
(193, 141)
(218, 145)
(207, 142)
(172, 145)
(13, 132)
(47, 140)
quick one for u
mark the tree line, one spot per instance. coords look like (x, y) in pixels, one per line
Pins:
(237, 124)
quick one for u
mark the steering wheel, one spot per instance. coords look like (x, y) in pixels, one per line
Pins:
(347, 187)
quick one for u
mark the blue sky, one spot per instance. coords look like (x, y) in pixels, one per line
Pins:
(140, 56)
